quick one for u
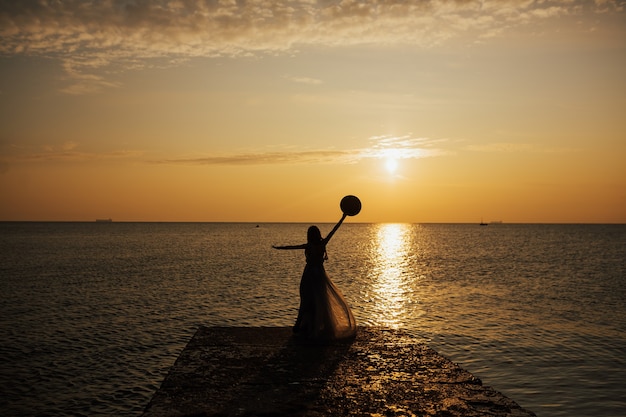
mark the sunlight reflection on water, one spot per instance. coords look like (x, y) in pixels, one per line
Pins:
(391, 251)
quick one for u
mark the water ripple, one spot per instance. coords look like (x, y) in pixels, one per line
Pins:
(92, 316)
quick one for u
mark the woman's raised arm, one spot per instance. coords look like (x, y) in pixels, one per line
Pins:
(332, 232)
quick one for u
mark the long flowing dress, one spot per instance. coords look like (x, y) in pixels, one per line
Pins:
(324, 313)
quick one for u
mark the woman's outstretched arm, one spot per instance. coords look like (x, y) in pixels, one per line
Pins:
(303, 246)
(332, 232)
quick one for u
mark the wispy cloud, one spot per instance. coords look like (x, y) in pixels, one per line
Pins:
(266, 158)
(77, 156)
(95, 37)
(378, 147)
(404, 147)
(303, 80)
(65, 152)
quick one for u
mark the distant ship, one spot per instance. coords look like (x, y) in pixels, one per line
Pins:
(482, 223)
(104, 220)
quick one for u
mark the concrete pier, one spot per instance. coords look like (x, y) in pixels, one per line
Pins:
(252, 371)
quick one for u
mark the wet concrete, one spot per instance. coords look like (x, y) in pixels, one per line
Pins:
(252, 371)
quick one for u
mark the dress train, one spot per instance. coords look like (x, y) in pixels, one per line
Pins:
(324, 313)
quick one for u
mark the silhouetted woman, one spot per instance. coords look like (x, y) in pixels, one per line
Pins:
(323, 313)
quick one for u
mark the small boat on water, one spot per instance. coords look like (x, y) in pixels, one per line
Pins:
(482, 223)
(104, 220)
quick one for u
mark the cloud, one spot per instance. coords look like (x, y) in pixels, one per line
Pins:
(92, 37)
(87, 83)
(65, 152)
(403, 147)
(379, 147)
(76, 156)
(267, 158)
(304, 80)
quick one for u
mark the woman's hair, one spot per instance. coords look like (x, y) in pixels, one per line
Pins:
(313, 235)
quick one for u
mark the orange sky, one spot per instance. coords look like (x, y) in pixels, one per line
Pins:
(439, 111)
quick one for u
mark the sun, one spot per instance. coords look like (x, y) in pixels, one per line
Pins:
(391, 165)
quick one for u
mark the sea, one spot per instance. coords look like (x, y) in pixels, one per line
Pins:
(93, 315)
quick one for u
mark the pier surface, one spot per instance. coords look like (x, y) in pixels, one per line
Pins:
(264, 371)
